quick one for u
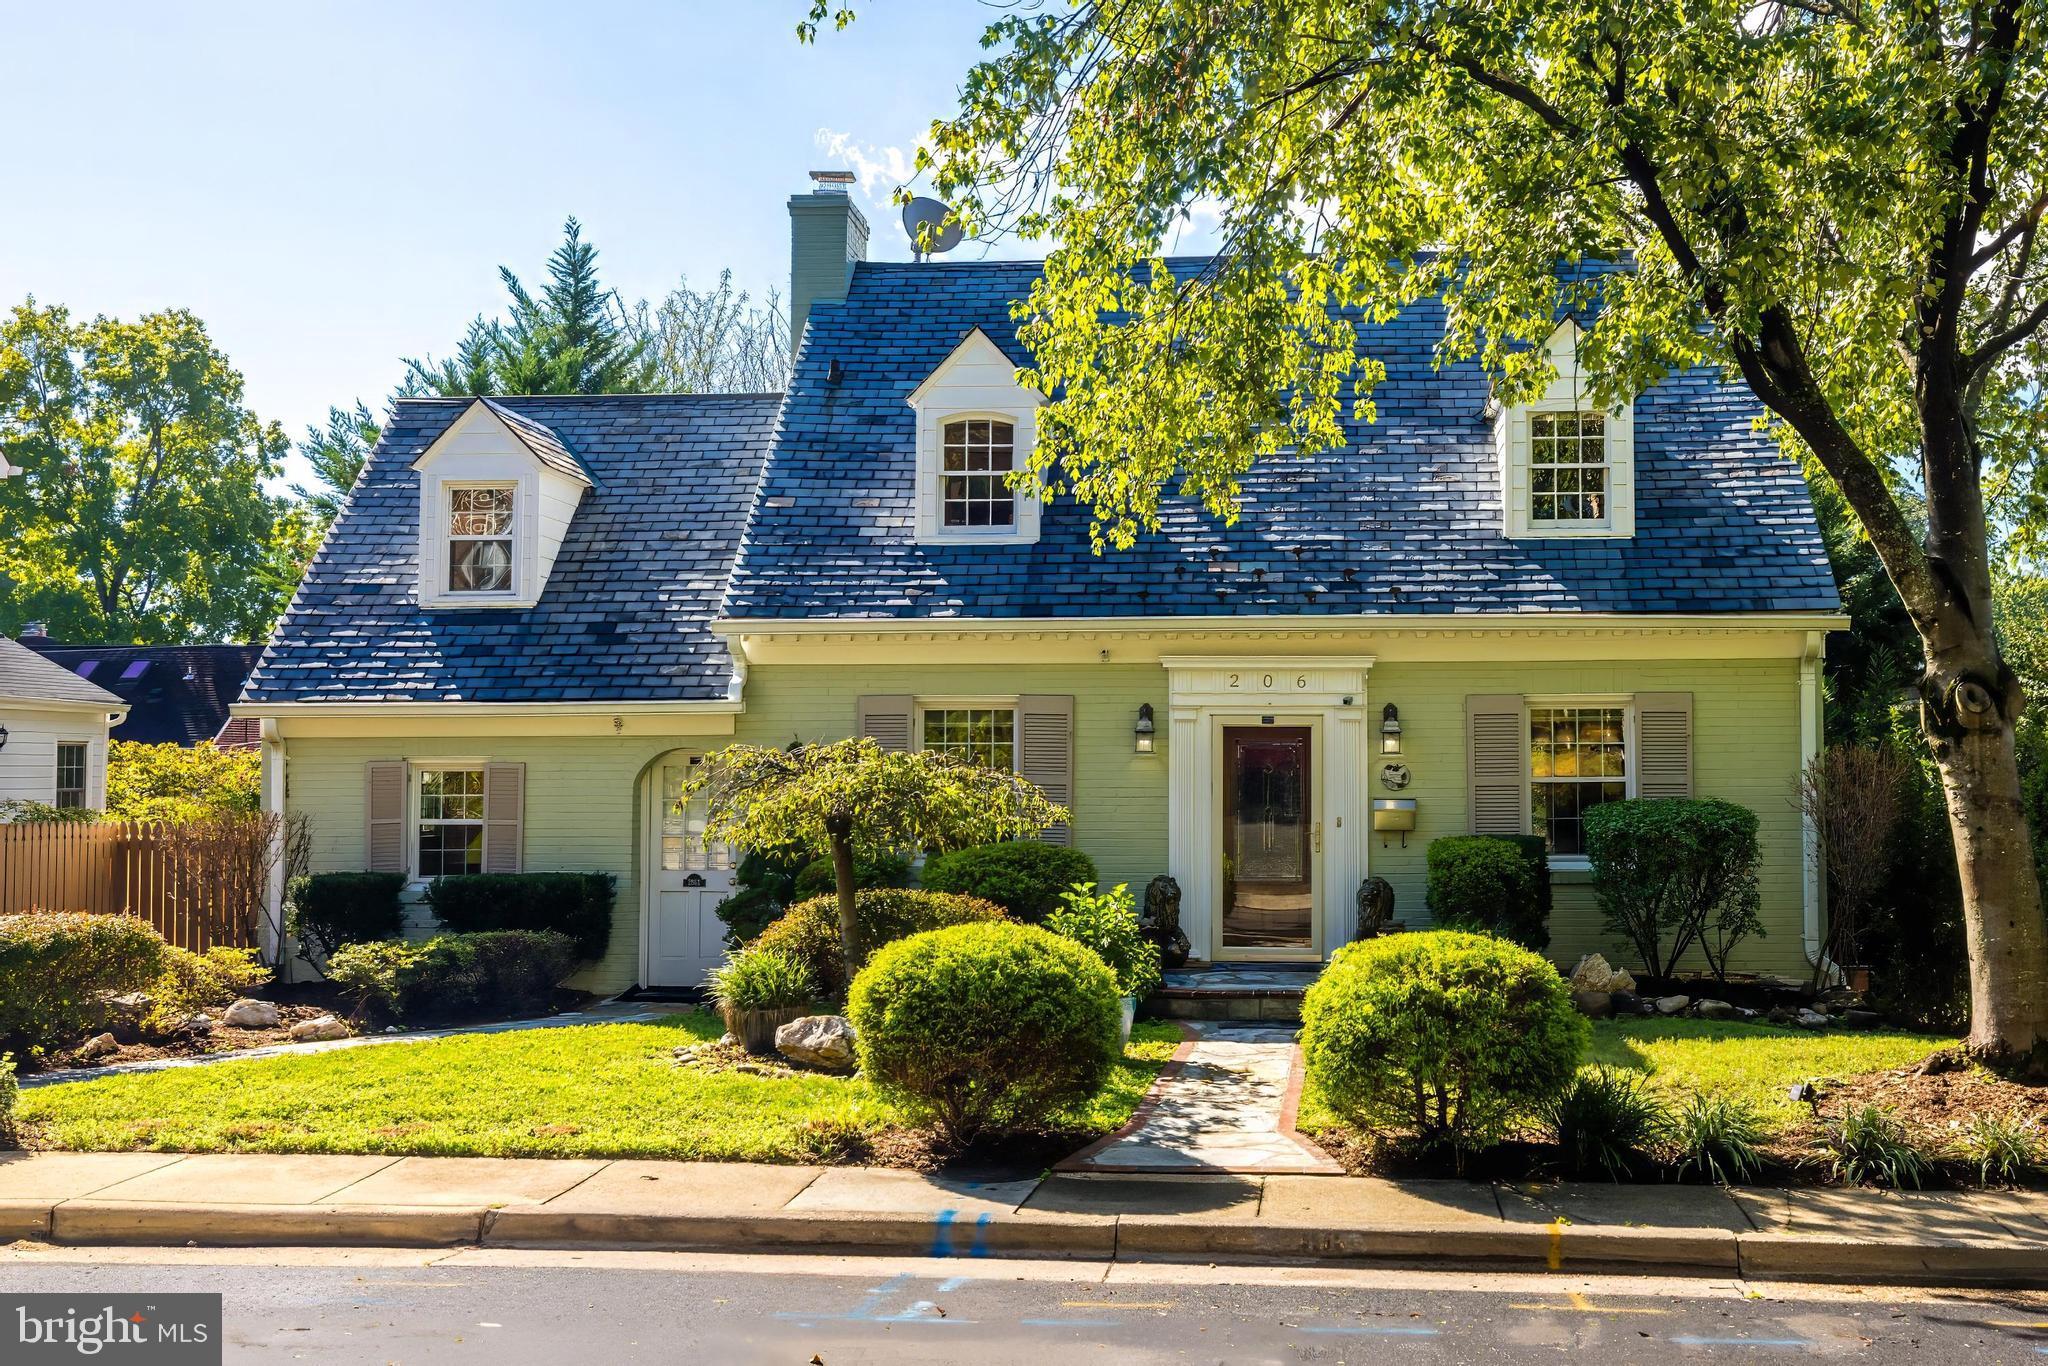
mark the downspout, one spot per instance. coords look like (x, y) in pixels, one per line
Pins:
(1814, 884)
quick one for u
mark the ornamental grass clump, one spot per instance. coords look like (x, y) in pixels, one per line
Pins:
(1450, 1036)
(1868, 1146)
(1717, 1139)
(2004, 1149)
(988, 1028)
(762, 979)
(1606, 1120)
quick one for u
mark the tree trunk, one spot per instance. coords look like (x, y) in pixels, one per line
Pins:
(840, 830)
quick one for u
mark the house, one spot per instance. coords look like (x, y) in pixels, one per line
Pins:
(175, 694)
(537, 614)
(53, 732)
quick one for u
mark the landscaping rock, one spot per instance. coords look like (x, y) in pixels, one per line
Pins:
(1673, 1005)
(1811, 1019)
(1598, 1004)
(818, 1041)
(1628, 1003)
(321, 1027)
(125, 1015)
(1595, 973)
(201, 1024)
(1862, 1019)
(249, 1013)
(1718, 1010)
(1781, 1015)
(97, 1047)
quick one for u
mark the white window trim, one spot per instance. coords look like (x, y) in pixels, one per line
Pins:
(1578, 863)
(939, 474)
(920, 705)
(520, 515)
(1566, 394)
(943, 399)
(435, 492)
(84, 788)
(416, 771)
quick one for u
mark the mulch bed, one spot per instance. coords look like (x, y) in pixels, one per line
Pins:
(223, 1039)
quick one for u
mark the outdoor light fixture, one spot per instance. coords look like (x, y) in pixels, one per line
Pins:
(3, 737)
(1390, 730)
(1141, 734)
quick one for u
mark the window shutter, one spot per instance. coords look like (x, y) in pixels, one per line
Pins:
(1664, 744)
(504, 817)
(1045, 754)
(384, 815)
(1497, 764)
(886, 718)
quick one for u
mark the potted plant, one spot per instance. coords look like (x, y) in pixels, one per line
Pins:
(758, 991)
(1107, 922)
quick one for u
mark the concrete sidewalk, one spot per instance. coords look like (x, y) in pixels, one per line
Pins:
(158, 1199)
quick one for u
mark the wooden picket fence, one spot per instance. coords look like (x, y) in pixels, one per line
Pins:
(117, 868)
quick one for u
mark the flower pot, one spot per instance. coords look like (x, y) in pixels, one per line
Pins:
(755, 1029)
(1130, 1013)
(1859, 979)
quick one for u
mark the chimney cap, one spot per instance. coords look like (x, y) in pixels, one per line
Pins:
(35, 630)
(831, 182)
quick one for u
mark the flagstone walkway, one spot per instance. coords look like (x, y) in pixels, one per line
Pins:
(1226, 1104)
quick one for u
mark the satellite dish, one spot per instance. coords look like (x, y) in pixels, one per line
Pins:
(920, 212)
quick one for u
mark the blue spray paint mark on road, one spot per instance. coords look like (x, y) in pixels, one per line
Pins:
(1743, 1342)
(942, 1241)
(980, 1248)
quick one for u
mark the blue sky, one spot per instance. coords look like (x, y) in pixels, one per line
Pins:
(332, 186)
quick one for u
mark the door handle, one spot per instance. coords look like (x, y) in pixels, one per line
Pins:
(1319, 837)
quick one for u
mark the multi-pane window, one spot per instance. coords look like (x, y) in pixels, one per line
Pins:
(1578, 758)
(71, 776)
(451, 825)
(1567, 467)
(980, 735)
(480, 540)
(684, 846)
(979, 453)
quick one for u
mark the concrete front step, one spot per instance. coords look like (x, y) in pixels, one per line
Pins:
(1233, 991)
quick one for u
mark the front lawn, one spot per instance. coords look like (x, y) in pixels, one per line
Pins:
(583, 1091)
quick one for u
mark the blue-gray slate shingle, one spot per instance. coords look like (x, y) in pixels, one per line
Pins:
(625, 613)
(1405, 519)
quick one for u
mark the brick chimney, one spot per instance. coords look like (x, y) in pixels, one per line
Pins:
(827, 234)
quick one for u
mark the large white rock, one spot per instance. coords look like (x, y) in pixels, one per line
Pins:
(1595, 973)
(97, 1047)
(818, 1041)
(322, 1027)
(1673, 1005)
(248, 1013)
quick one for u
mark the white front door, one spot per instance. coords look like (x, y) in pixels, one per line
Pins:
(686, 939)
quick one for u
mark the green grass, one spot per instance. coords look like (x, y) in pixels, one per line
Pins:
(586, 1091)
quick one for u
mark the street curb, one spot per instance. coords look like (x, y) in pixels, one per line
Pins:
(129, 1222)
(1553, 1247)
(1812, 1257)
(983, 1235)
(24, 1219)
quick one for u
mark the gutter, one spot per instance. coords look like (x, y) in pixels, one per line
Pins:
(730, 628)
(728, 706)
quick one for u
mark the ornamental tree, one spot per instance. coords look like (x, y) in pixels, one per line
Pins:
(1838, 201)
(853, 794)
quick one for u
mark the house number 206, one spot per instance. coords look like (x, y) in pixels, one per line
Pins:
(1266, 680)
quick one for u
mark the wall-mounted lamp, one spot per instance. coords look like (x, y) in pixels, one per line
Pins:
(1142, 733)
(3, 737)
(1390, 730)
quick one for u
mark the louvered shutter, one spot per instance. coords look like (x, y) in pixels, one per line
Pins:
(1045, 754)
(886, 717)
(504, 817)
(1497, 764)
(1664, 744)
(384, 815)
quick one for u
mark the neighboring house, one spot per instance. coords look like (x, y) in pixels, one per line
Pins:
(175, 694)
(53, 732)
(536, 614)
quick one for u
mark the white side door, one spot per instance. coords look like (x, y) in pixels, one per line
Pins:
(686, 939)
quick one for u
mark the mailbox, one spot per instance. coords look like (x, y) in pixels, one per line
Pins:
(1392, 814)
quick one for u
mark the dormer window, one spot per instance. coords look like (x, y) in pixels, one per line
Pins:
(480, 538)
(1567, 467)
(979, 453)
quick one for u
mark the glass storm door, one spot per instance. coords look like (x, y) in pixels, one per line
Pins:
(1269, 839)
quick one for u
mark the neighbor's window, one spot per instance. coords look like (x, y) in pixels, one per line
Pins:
(71, 776)
(1567, 467)
(979, 453)
(1578, 758)
(980, 735)
(451, 830)
(480, 540)
(684, 847)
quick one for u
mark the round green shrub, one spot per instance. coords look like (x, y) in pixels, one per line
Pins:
(1488, 884)
(985, 1028)
(809, 930)
(1024, 877)
(57, 969)
(1450, 1035)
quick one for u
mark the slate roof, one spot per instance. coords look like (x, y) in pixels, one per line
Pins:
(541, 440)
(175, 694)
(625, 610)
(26, 676)
(1407, 519)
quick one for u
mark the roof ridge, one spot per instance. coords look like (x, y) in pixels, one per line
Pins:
(466, 399)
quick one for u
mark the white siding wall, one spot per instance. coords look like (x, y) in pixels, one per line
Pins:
(28, 763)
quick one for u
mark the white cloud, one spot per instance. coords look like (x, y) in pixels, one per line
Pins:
(881, 169)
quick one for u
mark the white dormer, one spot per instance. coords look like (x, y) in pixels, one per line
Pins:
(497, 492)
(1568, 466)
(975, 424)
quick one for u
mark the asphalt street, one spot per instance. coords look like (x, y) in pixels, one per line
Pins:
(565, 1308)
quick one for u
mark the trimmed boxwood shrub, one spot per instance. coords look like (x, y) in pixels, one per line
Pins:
(1491, 884)
(809, 930)
(979, 1028)
(1451, 1035)
(58, 968)
(507, 971)
(576, 904)
(1024, 877)
(332, 909)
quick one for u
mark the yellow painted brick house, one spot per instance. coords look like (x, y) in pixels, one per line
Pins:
(536, 614)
